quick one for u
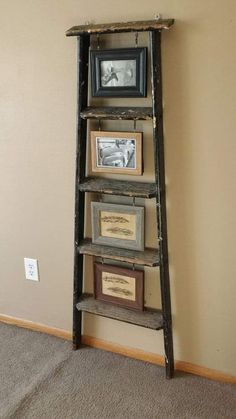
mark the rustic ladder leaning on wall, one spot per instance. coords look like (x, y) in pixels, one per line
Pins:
(154, 319)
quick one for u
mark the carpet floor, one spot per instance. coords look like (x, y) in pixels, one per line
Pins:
(41, 377)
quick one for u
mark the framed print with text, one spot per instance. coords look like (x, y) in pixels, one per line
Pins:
(118, 225)
(121, 286)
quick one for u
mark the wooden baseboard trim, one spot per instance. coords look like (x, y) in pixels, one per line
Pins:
(205, 372)
(122, 350)
(37, 327)
(158, 360)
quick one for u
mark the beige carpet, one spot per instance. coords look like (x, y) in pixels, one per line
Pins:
(41, 377)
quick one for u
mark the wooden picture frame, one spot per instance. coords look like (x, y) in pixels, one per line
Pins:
(118, 225)
(117, 285)
(119, 72)
(116, 152)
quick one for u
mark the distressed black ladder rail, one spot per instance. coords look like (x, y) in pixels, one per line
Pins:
(82, 97)
(158, 143)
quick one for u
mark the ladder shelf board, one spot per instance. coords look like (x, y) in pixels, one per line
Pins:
(119, 187)
(133, 113)
(148, 257)
(149, 318)
(135, 26)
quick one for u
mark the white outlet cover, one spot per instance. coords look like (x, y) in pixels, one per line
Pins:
(31, 269)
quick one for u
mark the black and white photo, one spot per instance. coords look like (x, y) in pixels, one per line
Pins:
(118, 73)
(115, 152)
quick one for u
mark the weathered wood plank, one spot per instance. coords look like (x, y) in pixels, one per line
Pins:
(159, 158)
(150, 318)
(148, 257)
(82, 92)
(135, 26)
(124, 113)
(119, 187)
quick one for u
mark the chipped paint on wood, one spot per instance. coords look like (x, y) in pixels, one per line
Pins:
(135, 26)
(119, 187)
(83, 57)
(158, 143)
(154, 122)
(148, 257)
(121, 113)
(149, 318)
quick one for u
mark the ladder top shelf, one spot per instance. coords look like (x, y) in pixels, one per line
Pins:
(122, 113)
(150, 318)
(136, 26)
(119, 187)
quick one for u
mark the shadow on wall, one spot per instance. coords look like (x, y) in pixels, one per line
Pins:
(181, 205)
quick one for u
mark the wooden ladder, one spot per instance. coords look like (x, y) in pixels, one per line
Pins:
(154, 319)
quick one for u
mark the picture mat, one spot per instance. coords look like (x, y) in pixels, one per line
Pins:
(118, 73)
(119, 286)
(137, 159)
(102, 143)
(118, 225)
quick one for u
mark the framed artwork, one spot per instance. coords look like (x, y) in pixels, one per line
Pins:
(118, 225)
(119, 72)
(116, 152)
(121, 286)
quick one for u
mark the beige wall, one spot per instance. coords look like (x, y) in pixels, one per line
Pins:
(37, 152)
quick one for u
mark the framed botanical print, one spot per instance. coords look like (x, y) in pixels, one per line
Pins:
(121, 286)
(116, 152)
(118, 225)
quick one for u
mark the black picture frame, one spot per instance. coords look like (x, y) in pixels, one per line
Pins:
(129, 80)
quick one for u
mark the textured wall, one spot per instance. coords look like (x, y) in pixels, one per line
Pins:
(37, 151)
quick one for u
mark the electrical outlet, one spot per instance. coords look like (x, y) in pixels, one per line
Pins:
(31, 269)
